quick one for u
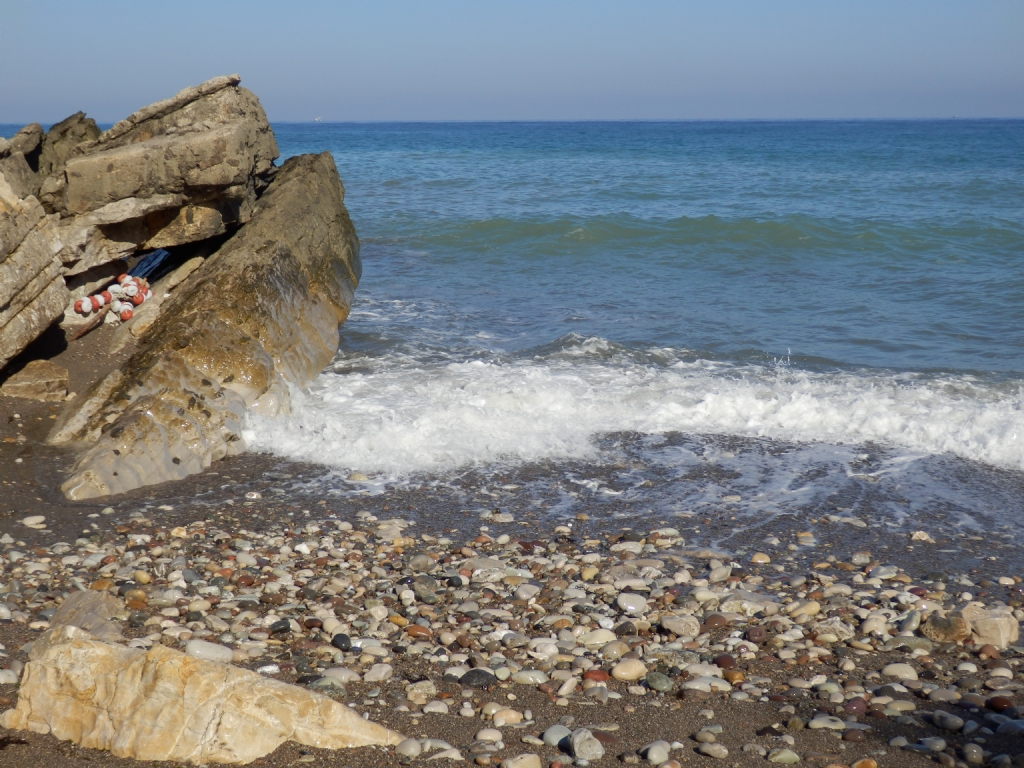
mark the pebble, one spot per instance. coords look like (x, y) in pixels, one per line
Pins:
(713, 750)
(580, 624)
(629, 669)
(201, 649)
(584, 746)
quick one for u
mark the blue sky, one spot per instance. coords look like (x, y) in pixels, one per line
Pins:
(523, 60)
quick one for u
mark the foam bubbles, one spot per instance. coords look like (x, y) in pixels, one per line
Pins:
(400, 415)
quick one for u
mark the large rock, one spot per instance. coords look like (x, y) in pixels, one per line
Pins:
(178, 171)
(62, 139)
(262, 313)
(163, 705)
(32, 290)
(29, 141)
(19, 174)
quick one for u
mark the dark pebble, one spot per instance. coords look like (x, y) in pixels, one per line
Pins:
(853, 734)
(342, 642)
(757, 635)
(280, 626)
(478, 678)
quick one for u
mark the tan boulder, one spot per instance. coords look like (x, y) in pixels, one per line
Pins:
(261, 313)
(62, 139)
(39, 380)
(163, 705)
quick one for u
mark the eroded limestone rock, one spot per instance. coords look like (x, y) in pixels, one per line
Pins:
(163, 705)
(177, 171)
(32, 290)
(262, 312)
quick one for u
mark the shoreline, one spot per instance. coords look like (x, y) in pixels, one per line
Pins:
(222, 499)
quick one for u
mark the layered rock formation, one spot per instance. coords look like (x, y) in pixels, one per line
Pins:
(262, 313)
(257, 314)
(163, 705)
(178, 171)
(32, 290)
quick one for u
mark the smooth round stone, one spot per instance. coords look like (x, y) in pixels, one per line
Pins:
(515, 640)
(656, 752)
(784, 756)
(420, 563)
(554, 735)
(378, 673)
(529, 677)
(900, 671)
(409, 748)
(657, 681)
(200, 649)
(631, 603)
(614, 650)
(342, 674)
(629, 669)
(585, 746)
(973, 754)
(704, 737)
(597, 638)
(853, 734)
(934, 743)
(342, 642)
(760, 558)
(947, 721)
(713, 750)
(488, 735)
(435, 707)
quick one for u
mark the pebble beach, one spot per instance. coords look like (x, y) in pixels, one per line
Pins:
(498, 640)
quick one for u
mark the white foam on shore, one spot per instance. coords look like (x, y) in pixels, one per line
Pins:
(398, 417)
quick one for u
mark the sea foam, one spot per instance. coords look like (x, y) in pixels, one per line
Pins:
(402, 416)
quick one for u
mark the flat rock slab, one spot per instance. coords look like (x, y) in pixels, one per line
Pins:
(163, 705)
(39, 380)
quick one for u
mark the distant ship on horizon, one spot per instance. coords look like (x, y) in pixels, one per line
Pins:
(318, 119)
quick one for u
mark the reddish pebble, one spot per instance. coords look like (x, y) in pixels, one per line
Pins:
(757, 635)
(856, 705)
(999, 703)
(853, 734)
(419, 632)
(988, 652)
(716, 621)
(725, 661)
(598, 675)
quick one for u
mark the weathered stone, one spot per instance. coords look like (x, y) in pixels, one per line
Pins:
(32, 319)
(19, 175)
(178, 171)
(18, 217)
(92, 611)
(39, 380)
(681, 625)
(264, 311)
(62, 139)
(991, 625)
(584, 745)
(954, 629)
(29, 142)
(163, 705)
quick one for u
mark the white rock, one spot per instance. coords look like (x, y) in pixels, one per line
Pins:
(200, 649)
(378, 673)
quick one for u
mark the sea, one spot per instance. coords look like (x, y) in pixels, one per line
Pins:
(649, 321)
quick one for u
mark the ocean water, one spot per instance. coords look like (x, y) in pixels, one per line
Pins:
(759, 318)
(764, 317)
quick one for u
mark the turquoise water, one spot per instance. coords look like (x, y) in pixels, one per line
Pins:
(820, 317)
